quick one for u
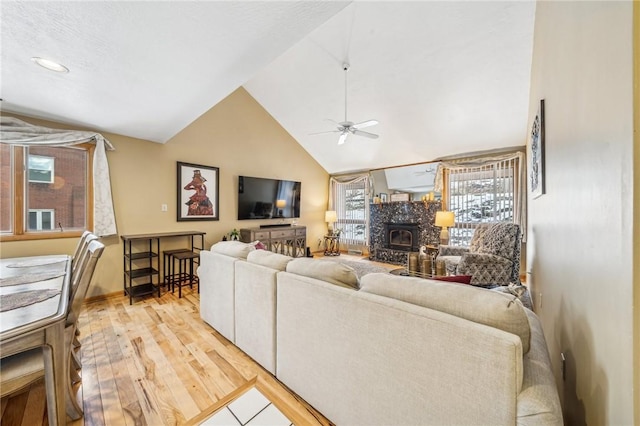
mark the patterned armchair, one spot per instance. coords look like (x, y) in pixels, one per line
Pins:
(493, 256)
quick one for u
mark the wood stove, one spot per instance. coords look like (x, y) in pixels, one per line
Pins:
(401, 236)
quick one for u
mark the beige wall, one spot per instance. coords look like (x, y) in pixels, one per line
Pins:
(239, 137)
(636, 205)
(580, 244)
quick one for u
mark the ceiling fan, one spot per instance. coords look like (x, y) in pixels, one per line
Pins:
(347, 127)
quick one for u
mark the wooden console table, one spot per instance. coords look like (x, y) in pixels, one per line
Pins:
(144, 251)
(288, 240)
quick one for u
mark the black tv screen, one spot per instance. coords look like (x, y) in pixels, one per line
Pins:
(261, 198)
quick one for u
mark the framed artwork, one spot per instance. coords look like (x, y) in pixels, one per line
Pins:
(383, 197)
(404, 196)
(198, 188)
(536, 154)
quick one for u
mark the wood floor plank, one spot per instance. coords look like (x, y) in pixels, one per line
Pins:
(15, 409)
(124, 383)
(37, 403)
(139, 405)
(106, 379)
(155, 363)
(92, 402)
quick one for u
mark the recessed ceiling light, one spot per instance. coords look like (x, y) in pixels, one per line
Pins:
(50, 65)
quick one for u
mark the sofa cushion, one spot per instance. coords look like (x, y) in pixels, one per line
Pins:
(487, 307)
(236, 249)
(325, 270)
(269, 259)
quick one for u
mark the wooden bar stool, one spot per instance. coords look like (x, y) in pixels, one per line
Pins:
(183, 277)
(168, 265)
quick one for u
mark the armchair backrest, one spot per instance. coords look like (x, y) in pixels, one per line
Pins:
(500, 239)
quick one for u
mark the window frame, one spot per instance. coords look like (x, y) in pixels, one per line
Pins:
(343, 220)
(20, 212)
(461, 226)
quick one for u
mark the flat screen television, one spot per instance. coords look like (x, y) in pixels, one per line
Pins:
(262, 198)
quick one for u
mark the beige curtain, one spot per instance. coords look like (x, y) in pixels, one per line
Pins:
(17, 132)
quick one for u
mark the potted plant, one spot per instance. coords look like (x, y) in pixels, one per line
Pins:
(234, 235)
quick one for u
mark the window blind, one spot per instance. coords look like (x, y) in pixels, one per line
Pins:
(351, 203)
(481, 194)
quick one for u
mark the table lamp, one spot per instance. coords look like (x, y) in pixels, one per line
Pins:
(444, 219)
(330, 216)
(280, 204)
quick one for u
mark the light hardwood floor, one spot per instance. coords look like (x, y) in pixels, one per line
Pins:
(155, 363)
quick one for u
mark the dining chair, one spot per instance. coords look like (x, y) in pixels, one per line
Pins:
(80, 245)
(85, 274)
(81, 249)
(22, 369)
(78, 258)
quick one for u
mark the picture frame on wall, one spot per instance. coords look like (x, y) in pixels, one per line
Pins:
(536, 154)
(198, 189)
(383, 197)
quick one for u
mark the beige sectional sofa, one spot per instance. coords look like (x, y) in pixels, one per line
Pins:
(385, 349)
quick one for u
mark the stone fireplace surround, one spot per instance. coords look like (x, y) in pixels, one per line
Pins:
(403, 214)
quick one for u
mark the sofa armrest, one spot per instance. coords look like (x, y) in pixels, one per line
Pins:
(446, 250)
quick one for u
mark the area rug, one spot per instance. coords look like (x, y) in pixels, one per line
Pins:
(25, 298)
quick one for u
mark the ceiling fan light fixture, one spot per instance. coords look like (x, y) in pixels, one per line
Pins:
(343, 137)
(50, 65)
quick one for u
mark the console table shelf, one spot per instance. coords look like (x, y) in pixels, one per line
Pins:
(145, 263)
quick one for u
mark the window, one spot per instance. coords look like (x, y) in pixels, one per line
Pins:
(46, 191)
(351, 203)
(41, 169)
(41, 220)
(483, 194)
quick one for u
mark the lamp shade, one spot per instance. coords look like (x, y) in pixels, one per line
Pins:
(445, 219)
(330, 216)
(281, 204)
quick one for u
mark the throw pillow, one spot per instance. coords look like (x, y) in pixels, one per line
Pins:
(479, 305)
(462, 279)
(269, 259)
(258, 245)
(499, 239)
(233, 248)
(325, 270)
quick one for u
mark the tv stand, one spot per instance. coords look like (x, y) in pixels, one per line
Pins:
(287, 239)
(276, 225)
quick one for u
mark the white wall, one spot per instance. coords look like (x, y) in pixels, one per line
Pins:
(580, 242)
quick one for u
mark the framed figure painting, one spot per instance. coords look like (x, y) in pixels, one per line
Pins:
(198, 188)
(536, 154)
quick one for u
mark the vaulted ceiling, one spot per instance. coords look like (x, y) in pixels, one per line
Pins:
(441, 78)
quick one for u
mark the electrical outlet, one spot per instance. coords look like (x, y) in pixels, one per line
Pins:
(540, 301)
(563, 366)
(164, 207)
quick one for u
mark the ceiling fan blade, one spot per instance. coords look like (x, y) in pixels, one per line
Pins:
(365, 134)
(343, 138)
(364, 124)
(321, 133)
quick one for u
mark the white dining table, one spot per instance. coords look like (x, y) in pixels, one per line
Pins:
(39, 324)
